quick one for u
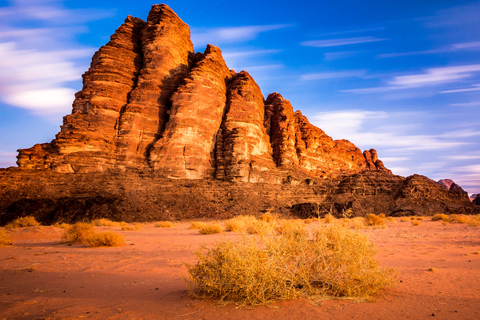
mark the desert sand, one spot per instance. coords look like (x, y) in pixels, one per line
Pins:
(42, 278)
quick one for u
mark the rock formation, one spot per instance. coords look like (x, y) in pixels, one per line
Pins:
(153, 114)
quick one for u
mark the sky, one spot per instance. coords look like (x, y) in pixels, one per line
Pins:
(402, 77)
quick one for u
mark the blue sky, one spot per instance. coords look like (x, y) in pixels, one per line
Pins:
(402, 77)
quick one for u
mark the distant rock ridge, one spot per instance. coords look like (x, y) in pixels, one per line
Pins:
(149, 103)
(449, 184)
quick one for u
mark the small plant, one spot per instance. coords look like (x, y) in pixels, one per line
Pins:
(416, 222)
(374, 220)
(258, 227)
(211, 228)
(445, 223)
(106, 223)
(197, 225)
(5, 239)
(432, 269)
(333, 261)
(441, 216)
(78, 232)
(292, 228)
(405, 219)
(234, 225)
(163, 224)
(132, 227)
(22, 222)
(474, 221)
(329, 218)
(267, 218)
(62, 225)
(104, 239)
(391, 220)
(460, 218)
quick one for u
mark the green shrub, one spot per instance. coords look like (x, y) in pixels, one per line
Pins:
(334, 261)
(23, 222)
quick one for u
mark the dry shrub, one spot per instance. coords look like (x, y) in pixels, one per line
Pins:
(132, 227)
(357, 223)
(416, 222)
(197, 225)
(62, 225)
(309, 220)
(420, 218)
(391, 220)
(374, 220)
(267, 218)
(211, 228)
(258, 227)
(405, 219)
(106, 223)
(329, 218)
(22, 222)
(5, 239)
(334, 261)
(78, 232)
(292, 228)
(234, 224)
(474, 221)
(445, 223)
(460, 218)
(163, 224)
(104, 239)
(441, 216)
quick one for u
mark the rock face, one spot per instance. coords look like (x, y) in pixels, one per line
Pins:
(159, 132)
(449, 184)
(149, 103)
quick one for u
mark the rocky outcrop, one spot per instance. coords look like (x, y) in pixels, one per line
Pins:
(149, 103)
(158, 132)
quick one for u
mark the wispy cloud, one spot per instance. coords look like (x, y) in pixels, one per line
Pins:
(340, 42)
(330, 56)
(333, 75)
(37, 63)
(476, 87)
(202, 36)
(467, 46)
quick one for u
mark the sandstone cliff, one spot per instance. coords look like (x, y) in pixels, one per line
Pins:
(161, 132)
(149, 103)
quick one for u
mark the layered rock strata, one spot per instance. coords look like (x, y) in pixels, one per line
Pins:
(149, 103)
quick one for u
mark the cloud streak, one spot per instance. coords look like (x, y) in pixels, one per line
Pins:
(340, 42)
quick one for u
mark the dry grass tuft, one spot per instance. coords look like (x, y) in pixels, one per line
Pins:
(267, 218)
(329, 218)
(391, 220)
(374, 220)
(405, 219)
(416, 222)
(234, 225)
(132, 227)
(107, 223)
(163, 224)
(474, 221)
(211, 228)
(104, 239)
(197, 225)
(5, 239)
(441, 216)
(292, 228)
(78, 233)
(22, 222)
(258, 227)
(333, 261)
(62, 225)
(460, 218)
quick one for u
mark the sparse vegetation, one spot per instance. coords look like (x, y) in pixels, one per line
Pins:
(132, 227)
(374, 220)
(267, 218)
(329, 218)
(163, 224)
(104, 239)
(211, 228)
(441, 216)
(333, 261)
(22, 222)
(405, 219)
(62, 225)
(78, 233)
(416, 222)
(291, 228)
(107, 223)
(5, 239)
(234, 225)
(197, 225)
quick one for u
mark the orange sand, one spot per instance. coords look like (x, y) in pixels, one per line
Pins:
(40, 278)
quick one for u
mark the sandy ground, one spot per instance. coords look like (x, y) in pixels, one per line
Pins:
(41, 278)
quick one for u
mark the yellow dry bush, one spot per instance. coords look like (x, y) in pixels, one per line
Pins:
(474, 221)
(62, 225)
(374, 220)
(5, 239)
(106, 223)
(104, 239)
(459, 218)
(211, 228)
(258, 227)
(329, 218)
(163, 224)
(197, 225)
(391, 220)
(309, 220)
(78, 232)
(234, 225)
(420, 218)
(267, 218)
(416, 222)
(405, 219)
(445, 223)
(22, 222)
(132, 227)
(357, 223)
(441, 216)
(291, 228)
(334, 261)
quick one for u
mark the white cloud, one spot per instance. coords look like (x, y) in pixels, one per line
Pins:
(333, 75)
(331, 56)
(201, 37)
(38, 64)
(475, 88)
(340, 42)
(466, 104)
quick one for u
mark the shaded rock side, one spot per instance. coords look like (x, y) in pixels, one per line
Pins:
(86, 141)
(167, 58)
(186, 149)
(296, 142)
(243, 147)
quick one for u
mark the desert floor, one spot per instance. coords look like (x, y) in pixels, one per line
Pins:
(42, 278)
